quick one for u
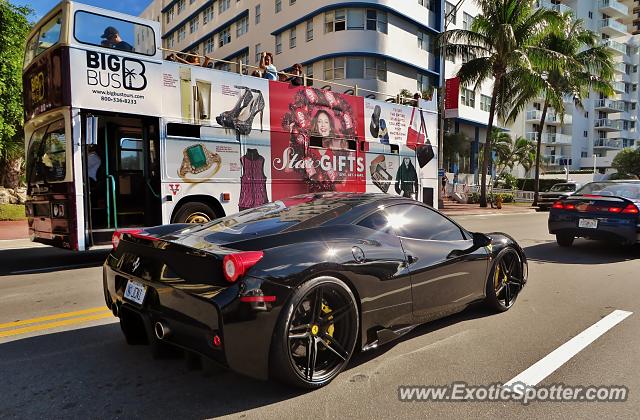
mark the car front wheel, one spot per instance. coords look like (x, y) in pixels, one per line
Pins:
(505, 281)
(316, 334)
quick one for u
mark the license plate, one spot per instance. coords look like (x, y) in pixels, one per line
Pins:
(135, 292)
(588, 223)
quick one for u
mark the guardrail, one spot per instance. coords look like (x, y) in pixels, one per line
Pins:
(519, 196)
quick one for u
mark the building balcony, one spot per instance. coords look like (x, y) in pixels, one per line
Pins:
(627, 116)
(607, 124)
(612, 27)
(607, 144)
(560, 8)
(629, 97)
(556, 160)
(609, 105)
(612, 8)
(620, 68)
(550, 138)
(618, 86)
(615, 47)
(534, 116)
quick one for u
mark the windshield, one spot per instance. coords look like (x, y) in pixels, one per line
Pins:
(563, 188)
(45, 38)
(47, 154)
(109, 32)
(618, 189)
(293, 213)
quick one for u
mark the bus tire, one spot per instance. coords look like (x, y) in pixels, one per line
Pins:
(194, 212)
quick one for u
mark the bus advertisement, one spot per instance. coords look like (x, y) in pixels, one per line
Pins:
(117, 137)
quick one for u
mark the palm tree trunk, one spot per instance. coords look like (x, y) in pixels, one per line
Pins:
(487, 145)
(536, 182)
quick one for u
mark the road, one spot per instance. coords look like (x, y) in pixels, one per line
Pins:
(74, 363)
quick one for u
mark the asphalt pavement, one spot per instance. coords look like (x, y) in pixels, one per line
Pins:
(63, 356)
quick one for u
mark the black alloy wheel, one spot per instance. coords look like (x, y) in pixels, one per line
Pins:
(317, 333)
(506, 280)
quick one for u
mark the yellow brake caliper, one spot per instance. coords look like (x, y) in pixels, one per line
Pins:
(496, 278)
(326, 309)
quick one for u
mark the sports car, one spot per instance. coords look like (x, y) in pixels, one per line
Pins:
(599, 210)
(291, 289)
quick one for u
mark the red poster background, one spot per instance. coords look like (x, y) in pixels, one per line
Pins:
(297, 166)
(452, 93)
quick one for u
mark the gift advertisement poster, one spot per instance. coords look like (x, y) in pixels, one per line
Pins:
(313, 141)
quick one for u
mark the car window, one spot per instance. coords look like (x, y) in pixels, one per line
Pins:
(415, 222)
(563, 188)
(626, 190)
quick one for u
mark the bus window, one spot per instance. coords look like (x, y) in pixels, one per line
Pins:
(43, 39)
(104, 31)
(131, 154)
(48, 154)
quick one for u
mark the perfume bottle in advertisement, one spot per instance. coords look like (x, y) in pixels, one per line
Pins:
(203, 99)
(185, 92)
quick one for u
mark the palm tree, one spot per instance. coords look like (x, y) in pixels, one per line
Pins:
(502, 146)
(524, 154)
(589, 67)
(500, 43)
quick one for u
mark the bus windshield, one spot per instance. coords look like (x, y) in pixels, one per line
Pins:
(47, 154)
(46, 37)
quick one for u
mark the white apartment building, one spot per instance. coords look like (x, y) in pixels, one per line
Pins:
(596, 133)
(471, 115)
(380, 45)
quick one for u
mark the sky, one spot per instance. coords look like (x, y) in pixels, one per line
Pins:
(41, 7)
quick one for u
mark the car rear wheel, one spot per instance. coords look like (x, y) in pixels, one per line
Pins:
(506, 280)
(194, 212)
(564, 239)
(316, 334)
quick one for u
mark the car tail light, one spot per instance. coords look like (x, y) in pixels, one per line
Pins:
(630, 209)
(260, 298)
(563, 206)
(117, 235)
(615, 209)
(236, 265)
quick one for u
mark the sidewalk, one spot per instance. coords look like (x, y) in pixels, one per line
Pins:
(14, 230)
(457, 209)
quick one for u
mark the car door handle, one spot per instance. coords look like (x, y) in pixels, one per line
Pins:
(456, 253)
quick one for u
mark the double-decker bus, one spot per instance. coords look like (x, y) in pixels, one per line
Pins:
(117, 137)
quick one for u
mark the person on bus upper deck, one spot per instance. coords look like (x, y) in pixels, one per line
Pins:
(296, 75)
(269, 70)
(112, 36)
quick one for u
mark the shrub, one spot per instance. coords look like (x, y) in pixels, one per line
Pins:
(12, 212)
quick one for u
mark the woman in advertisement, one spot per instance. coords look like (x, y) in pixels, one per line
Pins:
(323, 127)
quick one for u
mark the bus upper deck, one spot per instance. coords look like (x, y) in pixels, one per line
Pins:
(116, 136)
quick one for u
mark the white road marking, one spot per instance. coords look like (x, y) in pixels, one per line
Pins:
(551, 362)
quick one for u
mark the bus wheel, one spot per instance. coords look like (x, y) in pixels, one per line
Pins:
(194, 212)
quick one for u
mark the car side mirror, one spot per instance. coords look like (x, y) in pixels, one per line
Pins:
(481, 240)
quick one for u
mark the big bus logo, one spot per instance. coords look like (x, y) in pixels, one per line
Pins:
(108, 70)
(37, 87)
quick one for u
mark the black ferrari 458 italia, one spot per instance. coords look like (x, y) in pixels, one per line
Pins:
(289, 290)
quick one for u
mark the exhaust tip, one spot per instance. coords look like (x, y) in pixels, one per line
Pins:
(162, 330)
